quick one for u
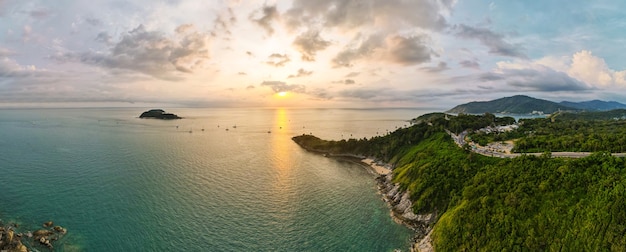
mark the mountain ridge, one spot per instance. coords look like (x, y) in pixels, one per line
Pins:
(518, 104)
(594, 105)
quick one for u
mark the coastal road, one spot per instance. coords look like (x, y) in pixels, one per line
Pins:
(460, 141)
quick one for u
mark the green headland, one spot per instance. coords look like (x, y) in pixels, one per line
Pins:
(530, 201)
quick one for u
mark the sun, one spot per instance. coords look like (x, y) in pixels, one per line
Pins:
(282, 94)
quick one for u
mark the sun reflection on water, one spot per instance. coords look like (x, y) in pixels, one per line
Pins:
(281, 146)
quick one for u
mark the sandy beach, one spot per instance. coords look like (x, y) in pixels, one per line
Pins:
(381, 170)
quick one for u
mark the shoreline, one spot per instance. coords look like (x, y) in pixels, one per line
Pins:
(398, 202)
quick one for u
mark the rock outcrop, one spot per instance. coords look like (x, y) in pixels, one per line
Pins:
(402, 211)
(159, 114)
(11, 237)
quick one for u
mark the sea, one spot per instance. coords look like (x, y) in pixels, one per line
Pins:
(221, 179)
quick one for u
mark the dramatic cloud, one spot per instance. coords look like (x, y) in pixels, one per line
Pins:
(301, 73)
(308, 43)
(150, 52)
(494, 41)
(268, 14)
(277, 60)
(279, 86)
(394, 48)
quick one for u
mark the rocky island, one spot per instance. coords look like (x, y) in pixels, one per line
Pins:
(159, 114)
(11, 239)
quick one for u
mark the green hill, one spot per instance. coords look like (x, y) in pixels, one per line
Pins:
(519, 104)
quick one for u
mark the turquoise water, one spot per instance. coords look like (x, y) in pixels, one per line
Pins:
(119, 183)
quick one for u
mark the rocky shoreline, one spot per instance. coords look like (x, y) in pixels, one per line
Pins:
(402, 212)
(398, 201)
(14, 240)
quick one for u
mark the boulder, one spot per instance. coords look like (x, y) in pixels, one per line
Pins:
(41, 233)
(48, 224)
(60, 229)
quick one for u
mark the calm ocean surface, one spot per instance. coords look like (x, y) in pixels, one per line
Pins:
(120, 183)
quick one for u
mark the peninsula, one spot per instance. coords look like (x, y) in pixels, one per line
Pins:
(159, 114)
(456, 198)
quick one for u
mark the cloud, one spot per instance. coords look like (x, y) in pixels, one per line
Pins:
(104, 37)
(308, 43)
(362, 93)
(242, 73)
(494, 41)
(353, 74)
(9, 68)
(223, 22)
(39, 14)
(397, 49)
(301, 73)
(277, 60)
(351, 14)
(594, 70)
(529, 76)
(409, 50)
(365, 48)
(150, 52)
(442, 66)
(346, 81)
(93, 21)
(268, 15)
(250, 87)
(470, 64)
(5, 52)
(279, 86)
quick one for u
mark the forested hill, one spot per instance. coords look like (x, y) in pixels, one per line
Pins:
(519, 104)
(595, 105)
(482, 203)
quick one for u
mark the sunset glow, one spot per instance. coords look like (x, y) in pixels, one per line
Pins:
(328, 53)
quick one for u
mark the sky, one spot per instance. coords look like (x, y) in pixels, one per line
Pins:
(323, 53)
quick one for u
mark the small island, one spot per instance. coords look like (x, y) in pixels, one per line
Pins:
(159, 114)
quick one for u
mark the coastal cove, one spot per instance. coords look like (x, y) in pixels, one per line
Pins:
(118, 182)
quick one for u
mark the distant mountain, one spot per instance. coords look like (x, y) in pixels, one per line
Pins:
(519, 104)
(595, 105)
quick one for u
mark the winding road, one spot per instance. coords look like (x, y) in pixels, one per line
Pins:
(460, 141)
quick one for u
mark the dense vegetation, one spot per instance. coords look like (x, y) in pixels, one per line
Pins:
(577, 132)
(540, 203)
(490, 204)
